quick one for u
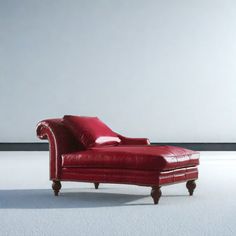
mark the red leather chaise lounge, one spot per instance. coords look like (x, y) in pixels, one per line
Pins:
(85, 149)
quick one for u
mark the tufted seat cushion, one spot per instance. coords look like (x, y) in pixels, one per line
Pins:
(132, 157)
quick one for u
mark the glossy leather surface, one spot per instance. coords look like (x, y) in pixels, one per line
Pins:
(60, 140)
(133, 141)
(133, 157)
(134, 161)
(91, 131)
(127, 176)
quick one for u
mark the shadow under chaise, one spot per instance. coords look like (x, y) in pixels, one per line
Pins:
(84, 149)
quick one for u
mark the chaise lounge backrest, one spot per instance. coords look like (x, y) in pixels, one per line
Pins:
(91, 131)
(77, 133)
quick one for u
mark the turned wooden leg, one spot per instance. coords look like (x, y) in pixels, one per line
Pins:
(191, 185)
(156, 194)
(56, 186)
(96, 185)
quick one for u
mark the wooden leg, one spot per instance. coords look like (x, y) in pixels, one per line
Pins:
(156, 194)
(96, 185)
(56, 186)
(191, 185)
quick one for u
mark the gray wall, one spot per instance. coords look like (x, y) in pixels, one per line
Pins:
(159, 69)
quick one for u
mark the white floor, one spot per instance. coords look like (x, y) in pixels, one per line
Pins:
(28, 207)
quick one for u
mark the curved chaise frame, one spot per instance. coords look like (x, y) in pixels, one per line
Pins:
(62, 141)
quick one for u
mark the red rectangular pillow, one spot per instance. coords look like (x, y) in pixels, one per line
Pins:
(90, 131)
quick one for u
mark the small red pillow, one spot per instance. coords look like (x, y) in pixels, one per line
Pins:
(90, 131)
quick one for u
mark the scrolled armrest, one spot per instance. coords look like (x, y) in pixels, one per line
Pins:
(60, 141)
(133, 141)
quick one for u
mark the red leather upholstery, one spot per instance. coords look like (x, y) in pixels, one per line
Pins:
(132, 157)
(128, 176)
(133, 141)
(133, 161)
(60, 140)
(90, 131)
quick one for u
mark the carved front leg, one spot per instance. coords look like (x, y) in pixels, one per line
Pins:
(191, 185)
(156, 194)
(56, 186)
